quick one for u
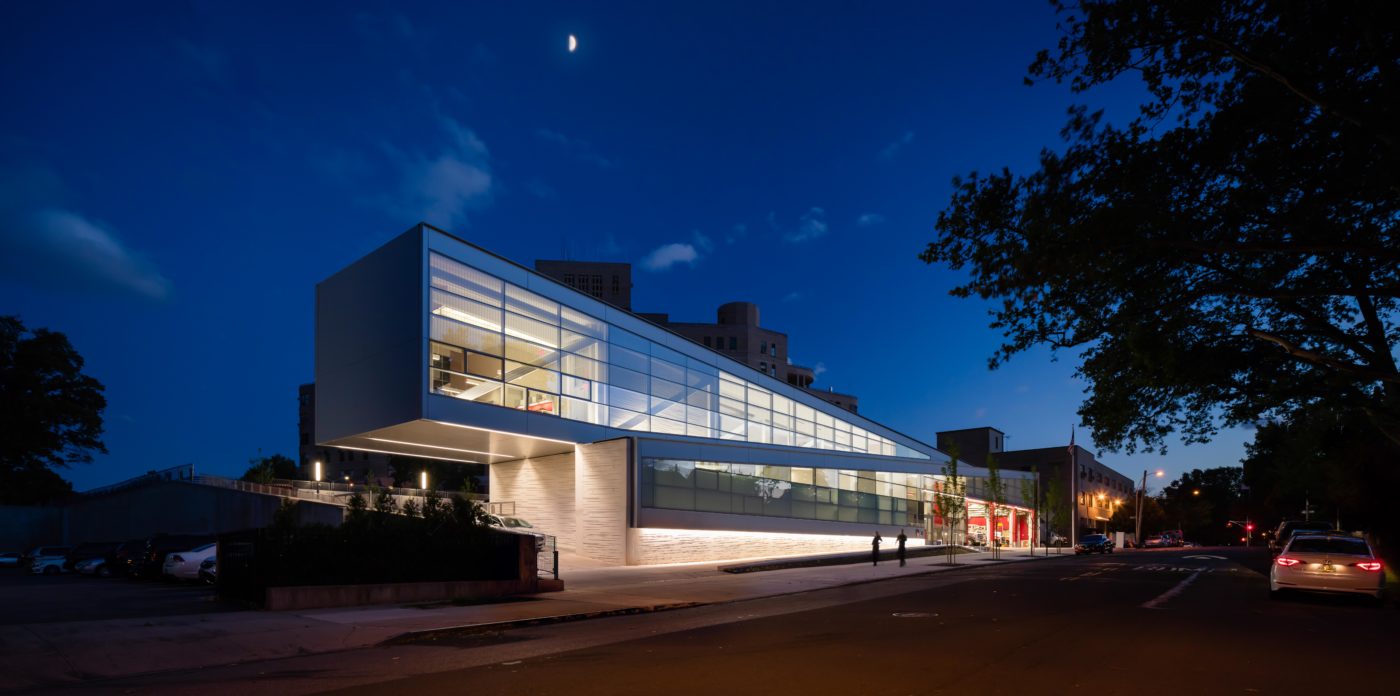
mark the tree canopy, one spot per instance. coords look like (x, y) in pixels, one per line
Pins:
(1228, 255)
(50, 412)
(269, 469)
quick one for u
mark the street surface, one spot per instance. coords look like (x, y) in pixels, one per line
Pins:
(1154, 622)
(32, 599)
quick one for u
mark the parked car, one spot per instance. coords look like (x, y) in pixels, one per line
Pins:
(1287, 528)
(82, 552)
(91, 566)
(1155, 542)
(1058, 539)
(149, 562)
(10, 559)
(120, 560)
(184, 565)
(516, 525)
(1327, 563)
(209, 570)
(29, 556)
(1094, 543)
(47, 565)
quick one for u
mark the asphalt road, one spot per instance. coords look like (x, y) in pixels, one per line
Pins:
(34, 599)
(1154, 622)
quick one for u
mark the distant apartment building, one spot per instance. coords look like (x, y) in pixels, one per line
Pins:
(737, 334)
(609, 282)
(1095, 488)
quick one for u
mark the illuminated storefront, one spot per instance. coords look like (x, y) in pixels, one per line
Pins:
(606, 430)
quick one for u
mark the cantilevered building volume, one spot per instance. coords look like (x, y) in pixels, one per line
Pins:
(630, 443)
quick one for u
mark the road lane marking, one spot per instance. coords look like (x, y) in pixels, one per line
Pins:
(1174, 591)
(1205, 558)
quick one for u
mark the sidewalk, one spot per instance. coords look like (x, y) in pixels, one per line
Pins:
(52, 654)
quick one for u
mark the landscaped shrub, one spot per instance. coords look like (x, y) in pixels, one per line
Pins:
(445, 540)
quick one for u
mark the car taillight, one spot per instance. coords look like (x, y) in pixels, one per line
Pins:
(1369, 565)
(1287, 562)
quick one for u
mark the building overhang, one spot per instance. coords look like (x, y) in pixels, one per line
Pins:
(452, 442)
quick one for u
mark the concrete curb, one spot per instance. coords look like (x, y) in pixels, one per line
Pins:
(431, 634)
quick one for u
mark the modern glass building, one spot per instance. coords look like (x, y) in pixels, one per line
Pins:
(612, 433)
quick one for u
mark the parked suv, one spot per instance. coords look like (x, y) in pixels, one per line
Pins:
(1287, 528)
(120, 560)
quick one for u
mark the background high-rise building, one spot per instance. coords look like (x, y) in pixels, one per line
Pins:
(736, 332)
(607, 281)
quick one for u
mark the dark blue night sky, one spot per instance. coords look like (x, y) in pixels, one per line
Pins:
(175, 178)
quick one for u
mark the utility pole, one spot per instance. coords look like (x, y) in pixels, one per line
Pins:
(1307, 510)
(1073, 493)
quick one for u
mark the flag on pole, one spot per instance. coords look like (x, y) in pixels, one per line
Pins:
(1071, 442)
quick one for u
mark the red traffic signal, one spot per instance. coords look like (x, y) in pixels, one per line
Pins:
(1249, 527)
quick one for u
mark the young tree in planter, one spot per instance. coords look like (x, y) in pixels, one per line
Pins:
(952, 500)
(1056, 504)
(1030, 492)
(996, 501)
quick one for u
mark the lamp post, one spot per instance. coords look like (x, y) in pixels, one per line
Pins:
(316, 474)
(423, 479)
(1142, 499)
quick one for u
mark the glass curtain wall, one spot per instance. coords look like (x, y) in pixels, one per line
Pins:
(836, 495)
(497, 343)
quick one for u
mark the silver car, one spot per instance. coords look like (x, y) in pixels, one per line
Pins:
(1327, 563)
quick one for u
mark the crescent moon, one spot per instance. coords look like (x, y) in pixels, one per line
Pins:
(573, 43)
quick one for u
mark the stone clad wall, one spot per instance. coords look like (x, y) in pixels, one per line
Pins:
(652, 546)
(542, 490)
(601, 500)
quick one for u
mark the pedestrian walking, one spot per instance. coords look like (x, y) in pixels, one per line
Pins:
(901, 539)
(875, 548)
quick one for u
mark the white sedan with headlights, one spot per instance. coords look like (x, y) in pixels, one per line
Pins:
(1327, 563)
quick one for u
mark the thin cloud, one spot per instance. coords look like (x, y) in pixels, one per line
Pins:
(442, 189)
(792, 296)
(869, 219)
(65, 249)
(664, 257)
(581, 149)
(888, 152)
(702, 242)
(811, 226)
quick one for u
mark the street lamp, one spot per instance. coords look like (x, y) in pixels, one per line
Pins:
(316, 474)
(423, 479)
(1142, 500)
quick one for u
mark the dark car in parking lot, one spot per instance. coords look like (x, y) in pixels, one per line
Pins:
(82, 552)
(147, 564)
(120, 559)
(1093, 543)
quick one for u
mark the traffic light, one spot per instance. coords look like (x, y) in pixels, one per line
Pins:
(1249, 527)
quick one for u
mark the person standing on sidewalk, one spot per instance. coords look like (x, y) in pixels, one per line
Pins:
(901, 539)
(875, 548)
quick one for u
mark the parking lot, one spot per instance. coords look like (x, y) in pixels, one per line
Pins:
(31, 599)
